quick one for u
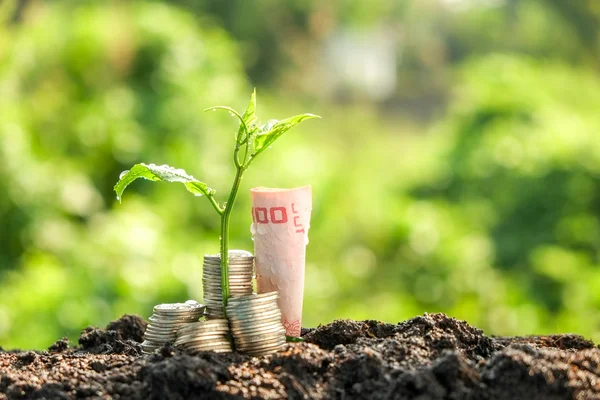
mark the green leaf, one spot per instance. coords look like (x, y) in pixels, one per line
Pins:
(162, 173)
(250, 114)
(273, 129)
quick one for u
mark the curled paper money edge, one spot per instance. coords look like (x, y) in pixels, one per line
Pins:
(255, 228)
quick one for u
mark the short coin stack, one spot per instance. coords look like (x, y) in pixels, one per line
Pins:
(256, 323)
(241, 271)
(167, 320)
(206, 335)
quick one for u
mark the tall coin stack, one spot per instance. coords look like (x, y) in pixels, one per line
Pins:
(206, 335)
(167, 320)
(241, 271)
(256, 323)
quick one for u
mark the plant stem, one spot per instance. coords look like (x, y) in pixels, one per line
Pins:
(215, 205)
(225, 237)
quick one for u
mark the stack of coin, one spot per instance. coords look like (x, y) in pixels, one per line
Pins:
(166, 321)
(256, 323)
(206, 335)
(241, 271)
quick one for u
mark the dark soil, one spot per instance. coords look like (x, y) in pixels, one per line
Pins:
(427, 357)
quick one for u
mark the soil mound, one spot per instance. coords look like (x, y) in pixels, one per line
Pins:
(122, 336)
(427, 357)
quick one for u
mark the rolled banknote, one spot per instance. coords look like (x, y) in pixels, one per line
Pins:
(280, 223)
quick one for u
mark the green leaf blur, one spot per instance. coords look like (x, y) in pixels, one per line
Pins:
(161, 173)
(273, 129)
(457, 168)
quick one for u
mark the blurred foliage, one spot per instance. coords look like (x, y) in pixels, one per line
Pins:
(489, 213)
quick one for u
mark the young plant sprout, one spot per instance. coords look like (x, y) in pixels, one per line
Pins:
(251, 139)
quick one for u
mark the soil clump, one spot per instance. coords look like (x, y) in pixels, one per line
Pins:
(427, 357)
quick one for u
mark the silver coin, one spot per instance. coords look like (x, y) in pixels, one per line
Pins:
(265, 349)
(213, 278)
(216, 286)
(233, 253)
(249, 330)
(242, 326)
(251, 309)
(164, 331)
(223, 342)
(254, 317)
(235, 294)
(220, 349)
(271, 327)
(216, 275)
(256, 330)
(157, 328)
(235, 264)
(215, 315)
(173, 317)
(207, 324)
(239, 262)
(177, 307)
(248, 340)
(267, 309)
(255, 300)
(216, 281)
(160, 335)
(261, 347)
(215, 310)
(179, 313)
(169, 327)
(253, 323)
(216, 349)
(232, 281)
(160, 341)
(217, 291)
(232, 285)
(206, 344)
(157, 319)
(240, 290)
(206, 336)
(189, 305)
(251, 301)
(232, 268)
(215, 304)
(257, 336)
(264, 296)
(205, 347)
(205, 328)
(212, 339)
(166, 328)
(232, 261)
(202, 333)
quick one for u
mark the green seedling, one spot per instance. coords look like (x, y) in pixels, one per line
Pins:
(251, 140)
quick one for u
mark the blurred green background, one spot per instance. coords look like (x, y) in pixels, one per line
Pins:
(456, 169)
